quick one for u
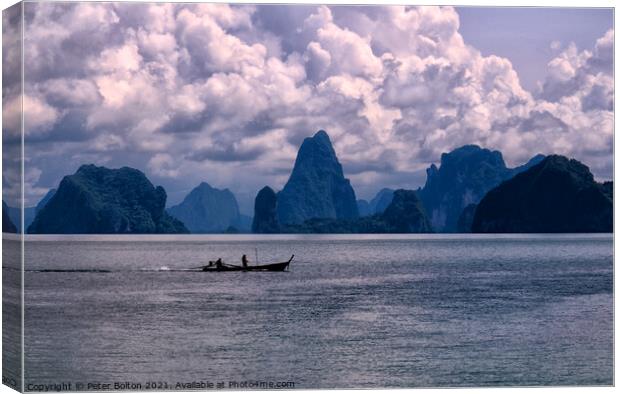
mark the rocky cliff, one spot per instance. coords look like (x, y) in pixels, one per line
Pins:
(558, 195)
(265, 213)
(317, 187)
(98, 200)
(464, 176)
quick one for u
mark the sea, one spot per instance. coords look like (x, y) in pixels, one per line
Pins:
(352, 311)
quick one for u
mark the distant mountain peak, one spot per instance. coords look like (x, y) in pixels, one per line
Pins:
(317, 187)
(323, 137)
(87, 167)
(472, 153)
(465, 149)
(537, 158)
(382, 200)
(464, 176)
(206, 209)
(578, 170)
(530, 163)
(317, 150)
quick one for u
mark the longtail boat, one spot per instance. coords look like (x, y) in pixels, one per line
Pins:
(265, 267)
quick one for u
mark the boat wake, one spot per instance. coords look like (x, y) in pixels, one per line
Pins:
(224, 267)
(106, 271)
(70, 270)
(166, 269)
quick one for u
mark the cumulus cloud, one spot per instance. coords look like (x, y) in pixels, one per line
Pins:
(579, 93)
(164, 165)
(38, 115)
(12, 191)
(193, 92)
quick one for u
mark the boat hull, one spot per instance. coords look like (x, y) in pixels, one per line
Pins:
(265, 267)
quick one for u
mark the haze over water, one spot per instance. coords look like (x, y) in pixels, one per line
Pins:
(354, 311)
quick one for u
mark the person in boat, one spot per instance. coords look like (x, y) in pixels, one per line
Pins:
(218, 263)
(244, 261)
(206, 267)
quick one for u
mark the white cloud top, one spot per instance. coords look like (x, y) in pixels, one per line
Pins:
(227, 93)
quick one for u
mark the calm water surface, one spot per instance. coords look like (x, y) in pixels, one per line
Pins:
(354, 311)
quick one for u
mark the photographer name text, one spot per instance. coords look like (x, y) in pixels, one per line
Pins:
(158, 386)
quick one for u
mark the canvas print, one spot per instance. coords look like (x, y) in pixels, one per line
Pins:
(202, 196)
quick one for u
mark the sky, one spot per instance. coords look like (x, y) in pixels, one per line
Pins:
(500, 31)
(226, 94)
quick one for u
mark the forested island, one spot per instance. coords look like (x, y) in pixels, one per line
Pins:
(472, 190)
